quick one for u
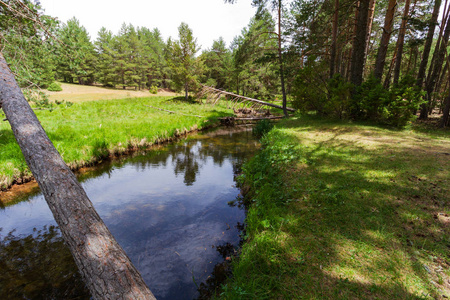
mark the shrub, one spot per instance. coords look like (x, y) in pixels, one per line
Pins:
(369, 100)
(261, 128)
(54, 87)
(154, 89)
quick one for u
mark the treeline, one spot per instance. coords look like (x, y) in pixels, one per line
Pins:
(380, 60)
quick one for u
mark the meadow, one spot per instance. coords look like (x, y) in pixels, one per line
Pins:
(345, 211)
(86, 132)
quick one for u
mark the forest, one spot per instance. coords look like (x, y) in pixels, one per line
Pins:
(347, 198)
(383, 61)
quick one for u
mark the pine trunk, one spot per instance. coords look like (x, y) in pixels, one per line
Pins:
(359, 44)
(106, 269)
(401, 42)
(369, 24)
(334, 38)
(385, 37)
(428, 43)
(437, 68)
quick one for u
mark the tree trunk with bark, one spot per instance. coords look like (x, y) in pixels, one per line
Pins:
(334, 39)
(428, 43)
(401, 42)
(359, 44)
(440, 52)
(105, 267)
(385, 37)
(369, 24)
(445, 117)
(280, 57)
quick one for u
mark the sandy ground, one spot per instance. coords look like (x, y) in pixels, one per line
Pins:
(79, 93)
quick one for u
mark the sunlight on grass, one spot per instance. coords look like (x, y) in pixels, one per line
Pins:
(87, 132)
(361, 211)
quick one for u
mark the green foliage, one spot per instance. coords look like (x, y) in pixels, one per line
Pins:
(339, 97)
(180, 55)
(154, 89)
(261, 128)
(54, 87)
(370, 100)
(395, 107)
(218, 65)
(76, 56)
(26, 47)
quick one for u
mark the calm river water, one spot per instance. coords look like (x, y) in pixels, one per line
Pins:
(168, 208)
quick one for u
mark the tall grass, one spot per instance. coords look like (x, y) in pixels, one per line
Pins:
(89, 131)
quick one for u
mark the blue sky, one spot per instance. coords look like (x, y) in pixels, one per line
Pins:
(209, 19)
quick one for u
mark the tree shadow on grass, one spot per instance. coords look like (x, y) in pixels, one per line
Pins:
(364, 222)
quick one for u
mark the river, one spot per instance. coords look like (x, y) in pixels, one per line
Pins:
(168, 207)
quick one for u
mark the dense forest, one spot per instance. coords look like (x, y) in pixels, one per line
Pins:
(384, 61)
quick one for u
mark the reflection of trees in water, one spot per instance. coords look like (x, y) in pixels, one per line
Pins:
(188, 156)
(186, 162)
(39, 266)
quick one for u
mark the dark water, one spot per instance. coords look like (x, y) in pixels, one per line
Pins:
(168, 208)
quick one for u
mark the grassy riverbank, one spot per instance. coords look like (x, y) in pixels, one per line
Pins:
(86, 132)
(345, 211)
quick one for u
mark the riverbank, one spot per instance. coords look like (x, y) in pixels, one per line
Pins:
(87, 132)
(345, 211)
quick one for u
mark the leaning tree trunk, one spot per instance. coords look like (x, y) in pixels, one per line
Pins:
(105, 267)
(385, 37)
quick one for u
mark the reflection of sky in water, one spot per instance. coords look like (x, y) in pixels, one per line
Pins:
(166, 211)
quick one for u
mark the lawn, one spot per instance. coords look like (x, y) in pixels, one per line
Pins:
(345, 211)
(88, 131)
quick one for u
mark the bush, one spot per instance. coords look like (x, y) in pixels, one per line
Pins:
(261, 128)
(154, 89)
(369, 101)
(54, 87)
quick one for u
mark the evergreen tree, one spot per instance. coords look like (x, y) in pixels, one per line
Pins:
(105, 58)
(76, 54)
(181, 58)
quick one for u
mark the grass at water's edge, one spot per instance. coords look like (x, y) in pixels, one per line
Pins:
(87, 132)
(345, 211)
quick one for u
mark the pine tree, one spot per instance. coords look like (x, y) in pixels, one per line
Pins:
(181, 58)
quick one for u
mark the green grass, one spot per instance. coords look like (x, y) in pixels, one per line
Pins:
(87, 132)
(345, 211)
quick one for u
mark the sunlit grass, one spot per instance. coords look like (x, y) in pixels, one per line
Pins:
(87, 132)
(346, 211)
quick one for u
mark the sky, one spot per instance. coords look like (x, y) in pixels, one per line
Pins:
(208, 19)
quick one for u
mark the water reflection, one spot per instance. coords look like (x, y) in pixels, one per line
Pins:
(167, 208)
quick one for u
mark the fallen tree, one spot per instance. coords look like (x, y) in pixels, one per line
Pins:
(105, 267)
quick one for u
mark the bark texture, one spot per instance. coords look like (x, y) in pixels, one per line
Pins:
(436, 69)
(359, 44)
(105, 267)
(384, 43)
(401, 42)
(334, 38)
(428, 43)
